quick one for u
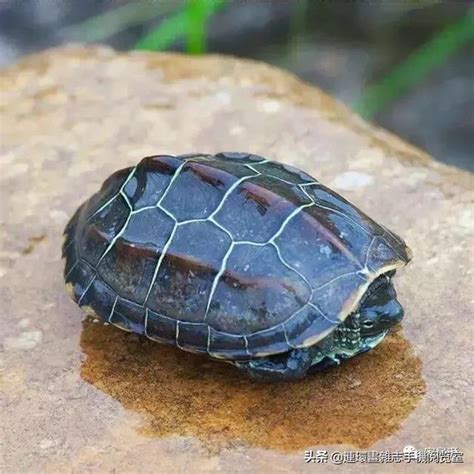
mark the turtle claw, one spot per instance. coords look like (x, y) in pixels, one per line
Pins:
(291, 365)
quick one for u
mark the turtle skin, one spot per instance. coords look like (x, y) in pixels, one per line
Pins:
(229, 255)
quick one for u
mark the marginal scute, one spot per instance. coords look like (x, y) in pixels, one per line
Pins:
(274, 339)
(193, 336)
(80, 275)
(100, 297)
(70, 229)
(233, 169)
(399, 246)
(381, 254)
(129, 316)
(70, 256)
(161, 328)
(224, 345)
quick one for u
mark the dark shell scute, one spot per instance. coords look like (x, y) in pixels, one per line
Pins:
(332, 204)
(185, 278)
(256, 291)
(101, 298)
(101, 229)
(195, 157)
(200, 242)
(328, 199)
(299, 328)
(184, 281)
(337, 296)
(129, 316)
(381, 251)
(401, 251)
(128, 273)
(81, 276)
(207, 187)
(148, 228)
(322, 245)
(70, 255)
(192, 336)
(257, 208)
(182, 288)
(225, 345)
(129, 264)
(70, 229)
(160, 327)
(232, 168)
(150, 180)
(272, 339)
(109, 191)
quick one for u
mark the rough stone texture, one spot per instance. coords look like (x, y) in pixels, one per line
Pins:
(86, 398)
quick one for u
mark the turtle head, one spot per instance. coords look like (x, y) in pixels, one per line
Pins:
(380, 310)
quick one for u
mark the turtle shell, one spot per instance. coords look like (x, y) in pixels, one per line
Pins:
(231, 254)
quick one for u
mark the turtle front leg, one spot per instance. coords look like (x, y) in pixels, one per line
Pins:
(291, 365)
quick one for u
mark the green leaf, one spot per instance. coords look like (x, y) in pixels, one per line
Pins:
(189, 23)
(166, 34)
(414, 69)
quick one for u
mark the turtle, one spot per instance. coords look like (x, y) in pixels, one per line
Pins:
(237, 257)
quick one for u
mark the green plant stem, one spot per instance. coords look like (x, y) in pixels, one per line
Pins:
(189, 23)
(417, 66)
(198, 14)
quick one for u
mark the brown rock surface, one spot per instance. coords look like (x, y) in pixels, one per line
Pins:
(87, 398)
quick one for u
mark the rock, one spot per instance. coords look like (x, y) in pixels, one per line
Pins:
(73, 116)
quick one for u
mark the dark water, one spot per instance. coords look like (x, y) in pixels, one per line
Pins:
(178, 393)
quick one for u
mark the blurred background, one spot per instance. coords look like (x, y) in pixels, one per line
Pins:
(405, 65)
